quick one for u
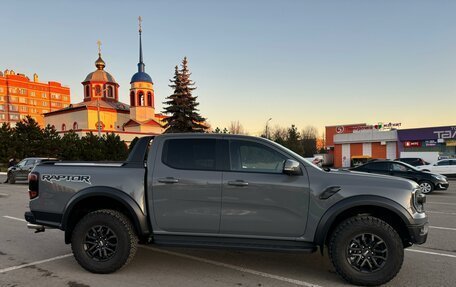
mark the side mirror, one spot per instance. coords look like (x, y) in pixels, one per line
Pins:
(292, 167)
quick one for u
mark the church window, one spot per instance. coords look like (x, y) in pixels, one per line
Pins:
(97, 91)
(63, 127)
(132, 99)
(87, 92)
(110, 92)
(149, 99)
(141, 98)
(75, 126)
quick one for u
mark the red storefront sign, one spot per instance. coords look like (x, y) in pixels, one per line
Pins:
(412, 144)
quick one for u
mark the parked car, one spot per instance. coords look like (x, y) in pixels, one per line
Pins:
(415, 161)
(427, 181)
(443, 166)
(21, 170)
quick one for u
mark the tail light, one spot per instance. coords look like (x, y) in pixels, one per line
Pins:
(33, 185)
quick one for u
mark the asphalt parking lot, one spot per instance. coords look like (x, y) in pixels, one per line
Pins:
(43, 259)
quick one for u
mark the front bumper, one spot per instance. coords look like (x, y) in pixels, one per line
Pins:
(418, 232)
(441, 185)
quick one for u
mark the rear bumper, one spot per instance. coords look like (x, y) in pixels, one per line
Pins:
(29, 217)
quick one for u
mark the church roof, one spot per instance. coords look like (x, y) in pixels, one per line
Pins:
(104, 104)
(100, 75)
(141, 77)
(151, 122)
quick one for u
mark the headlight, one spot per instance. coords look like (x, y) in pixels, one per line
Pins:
(418, 200)
(438, 177)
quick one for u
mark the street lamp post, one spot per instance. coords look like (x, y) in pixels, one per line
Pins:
(267, 130)
(98, 109)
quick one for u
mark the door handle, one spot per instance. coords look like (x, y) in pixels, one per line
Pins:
(168, 180)
(238, 183)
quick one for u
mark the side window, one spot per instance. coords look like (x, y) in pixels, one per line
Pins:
(21, 164)
(444, 162)
(398, 167)
(379, 166)
(193, 154)
(30, 162)
(253, 157)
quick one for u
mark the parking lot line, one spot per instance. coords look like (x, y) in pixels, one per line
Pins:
(234, 267)
(431, 253)
(441, 212)
(438, 202)
(34, 263)
(443, 228)
(15, 218)
(3, 194)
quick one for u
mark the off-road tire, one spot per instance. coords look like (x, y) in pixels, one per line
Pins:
(119, 226)
(350, 229)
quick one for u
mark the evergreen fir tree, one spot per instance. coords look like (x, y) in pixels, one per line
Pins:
(182, 106)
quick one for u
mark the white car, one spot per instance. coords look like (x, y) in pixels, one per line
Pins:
(443, 166)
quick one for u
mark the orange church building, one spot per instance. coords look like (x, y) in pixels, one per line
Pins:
(20, 96)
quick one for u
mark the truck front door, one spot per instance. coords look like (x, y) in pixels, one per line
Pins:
(186, 186)
(258, 198)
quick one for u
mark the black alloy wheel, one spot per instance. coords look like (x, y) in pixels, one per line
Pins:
(367, 252)
(100, 243)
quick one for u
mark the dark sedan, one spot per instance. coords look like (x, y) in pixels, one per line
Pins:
(427, 181)
(21, 170)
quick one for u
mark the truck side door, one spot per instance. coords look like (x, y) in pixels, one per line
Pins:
(258, 198)
(186, 186)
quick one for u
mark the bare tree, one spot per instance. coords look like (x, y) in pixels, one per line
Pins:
(236, 128)
(309, 140)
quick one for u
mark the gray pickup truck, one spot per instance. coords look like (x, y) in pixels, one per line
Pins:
(227, 191)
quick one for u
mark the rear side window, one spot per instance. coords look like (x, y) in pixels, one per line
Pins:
(380, 166)
(253, 157)
(444, 162)
(193, 154)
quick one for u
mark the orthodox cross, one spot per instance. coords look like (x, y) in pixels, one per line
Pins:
(99, 46)
(140, 20)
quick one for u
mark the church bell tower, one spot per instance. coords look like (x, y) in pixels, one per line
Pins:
(142, 106)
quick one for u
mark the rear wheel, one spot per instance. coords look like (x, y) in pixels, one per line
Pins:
(104, 241)
(366, 251)
(12, 179)
(426, 186)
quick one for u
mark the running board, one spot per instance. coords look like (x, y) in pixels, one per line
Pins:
(235, 243)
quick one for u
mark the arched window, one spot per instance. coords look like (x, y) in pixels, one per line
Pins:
(141, 98)
(87, 91)
(63, 127)
(97, 91)
(75, 126)
(149, 99)
(132, 99)
(110, 92)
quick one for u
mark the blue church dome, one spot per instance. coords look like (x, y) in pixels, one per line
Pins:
(141, 77)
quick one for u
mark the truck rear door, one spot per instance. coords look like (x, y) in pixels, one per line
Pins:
(186, 186)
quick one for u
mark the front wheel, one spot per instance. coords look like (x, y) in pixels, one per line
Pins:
(426, 186)
(366, 251)
(104, 241)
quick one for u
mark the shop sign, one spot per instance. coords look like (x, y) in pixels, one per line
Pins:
(412, 144)
(446, 134)
(430, 143)
(450, 142)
